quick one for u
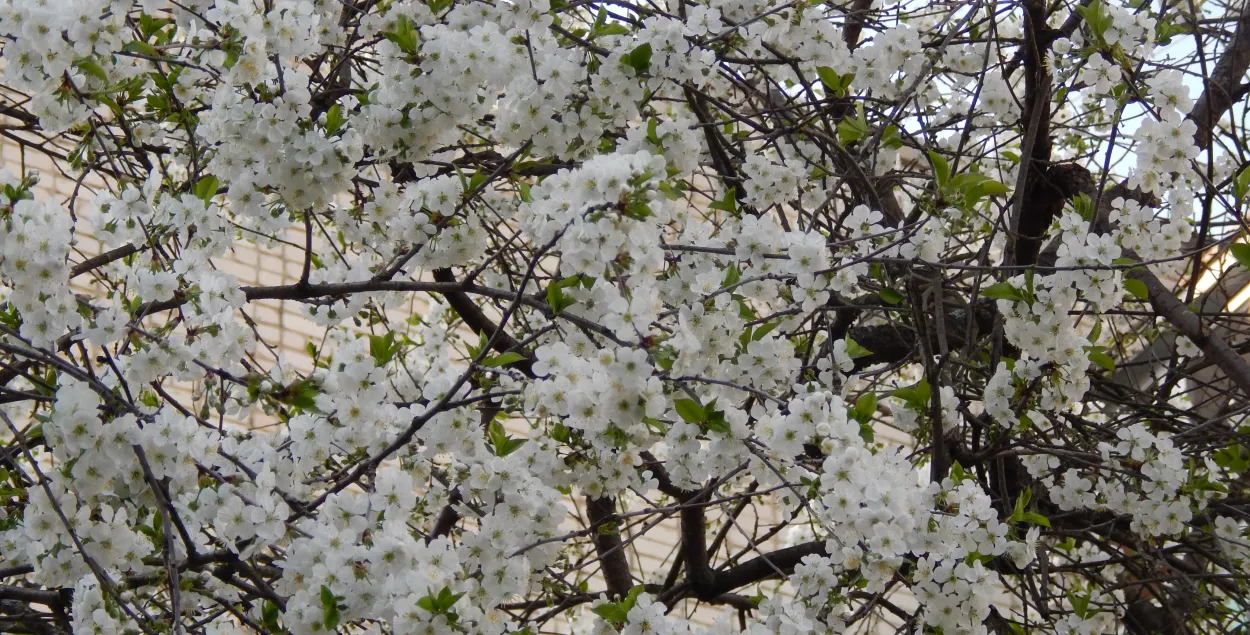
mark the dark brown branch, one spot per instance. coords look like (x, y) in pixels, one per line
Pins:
(1223, 87)
(474, 318)
(608, 545)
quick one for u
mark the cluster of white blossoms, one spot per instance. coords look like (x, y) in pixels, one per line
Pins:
(646, 253)
(262, 149)
(1165, 151)
(773, 180)
(884, 65)
(36, 243)
(1160, 242)
(1161, 502)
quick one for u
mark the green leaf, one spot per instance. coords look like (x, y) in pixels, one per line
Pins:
(690, 410)
(989, 187)
(941, 169)
(865, 407)
(1103, 360)
(603, 28)
(334, 119)
(1233, 458)
(92, 68)
(890, 296)
(206, 188)
(1137, 288)
(142, 48)
(383, 348)
(639, 59)
(728, 203)
(867, 433)
(764, 329)
(556, 297)
(1003, 291)
(854, 350)
(916, 397)
(301, 394)
(503, 359)
(1096, 18)
(1241, 184)
(835, 83)
(1080, 603)
(631, 598)
(404, 36)
(269, 617)
(958, 473)
(330, 608)
(612, 612)
(1241, 251)
(851, 130)
(503, 443)
(715, 419)
(732, 276)
(664, 356)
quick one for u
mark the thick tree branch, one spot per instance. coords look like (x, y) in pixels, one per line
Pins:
(608, 544)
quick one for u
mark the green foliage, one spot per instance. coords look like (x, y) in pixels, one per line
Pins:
(837, 84)
(915, 397)
(618, 612)
(404, 35)
(441, 603)
(501, 442)
(639, 59)
(331, 608)
(206, 188)
(1020, 513)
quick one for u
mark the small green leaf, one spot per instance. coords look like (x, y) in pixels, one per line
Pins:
(764, 329)
(728, 203)
(835, 83)
(503, 359)
(690, 410)
(854, 350)
(1080, 603)
(890, 296)
(503, 443)
(301, 394)
(92, 68)
(1241, 184)
(206, 188)
(383, 348)
(334, 119)
(1002, 291)
(941, 169)
(142, 48)
(989, 187)
(1103, 360)
(612, 612)
(330, 608)
(404, 36)
(1241, 251)
(865, 407)
(851, 130)
(269, 617)
(1137, 288)
(639, 59)
(557, 299)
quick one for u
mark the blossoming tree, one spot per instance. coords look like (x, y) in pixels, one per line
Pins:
(682, 261)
